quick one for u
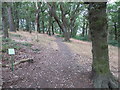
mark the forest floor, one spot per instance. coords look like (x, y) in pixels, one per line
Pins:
(56, 64)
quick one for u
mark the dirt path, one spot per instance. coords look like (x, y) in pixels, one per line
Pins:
(55, 65)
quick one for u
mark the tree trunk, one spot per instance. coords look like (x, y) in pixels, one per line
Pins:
(60, 31)
(4, 22)
(27, 25)
(16, 18)
(52, 28)
(83, 28)
(17, 24)
(66, 36)
(49, 31)
(10, 19)
(102, 77)
(86, 29)
(50, 22)
(115, 28)
(38, 24)
(43, 27)
(119, 24)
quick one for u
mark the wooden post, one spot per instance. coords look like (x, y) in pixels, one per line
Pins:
(12, 62)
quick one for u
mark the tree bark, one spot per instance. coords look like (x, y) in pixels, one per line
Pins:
(37, 25)
(10, 19)
(15, 11)
(4, 22)
(102, 77)
(65, 24)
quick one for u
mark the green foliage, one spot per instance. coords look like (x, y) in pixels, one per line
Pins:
(85, 38)
(6, 40)
(8, 43)
(60, 35)
(114, 43)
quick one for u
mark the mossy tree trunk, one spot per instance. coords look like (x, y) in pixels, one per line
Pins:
(102, 77)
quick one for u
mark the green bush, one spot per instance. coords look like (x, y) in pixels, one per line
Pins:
(6, 40)
(85, 38)
(114, 43)
(60, 35)
(8, 43)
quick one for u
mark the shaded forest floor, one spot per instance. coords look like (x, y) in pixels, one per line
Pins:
(56, 64)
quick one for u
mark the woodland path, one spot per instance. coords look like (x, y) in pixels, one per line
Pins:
(55, 65)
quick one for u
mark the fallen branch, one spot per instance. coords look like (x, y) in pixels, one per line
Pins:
(21, 61)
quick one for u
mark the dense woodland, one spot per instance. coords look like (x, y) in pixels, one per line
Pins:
(94, 22)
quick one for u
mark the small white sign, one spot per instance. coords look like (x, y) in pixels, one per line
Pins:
(11, 51)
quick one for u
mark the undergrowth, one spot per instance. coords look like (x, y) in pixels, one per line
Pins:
(9, 43)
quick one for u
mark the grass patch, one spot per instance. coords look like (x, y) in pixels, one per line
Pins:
(85, 38)
(8, 43)
(27, 44)
(60, 35)
(15, 35)
(110, 42)
(1, 32)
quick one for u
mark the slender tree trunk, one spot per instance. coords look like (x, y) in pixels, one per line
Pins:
(49, 31)
(50, 22)
(27, 25)
(102, 77)
(86, 29)
(119, 24)
(60, 31)
(38, 24)
(43, 27)
(52, 28)
(115, 30)
(83, 28)
(10, 19)
(4, 22)
(17, 24)
(16, 18)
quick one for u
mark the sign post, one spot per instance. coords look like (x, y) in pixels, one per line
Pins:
(11, 52)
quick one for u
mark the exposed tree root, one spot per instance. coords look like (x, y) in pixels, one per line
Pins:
(21, 61)
(105, 81)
